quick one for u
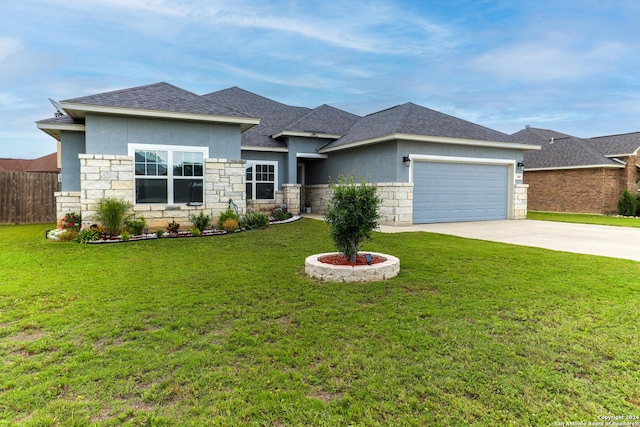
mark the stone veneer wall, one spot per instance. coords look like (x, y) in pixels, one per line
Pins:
(291, 197)
(520, 201)
(108, 176)
(396, 207)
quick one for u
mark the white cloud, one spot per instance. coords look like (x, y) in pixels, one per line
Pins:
(9, 46)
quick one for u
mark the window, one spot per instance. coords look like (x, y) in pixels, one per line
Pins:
(168, 174)
(262, 180)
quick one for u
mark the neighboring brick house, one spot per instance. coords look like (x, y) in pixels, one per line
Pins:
(571, 174)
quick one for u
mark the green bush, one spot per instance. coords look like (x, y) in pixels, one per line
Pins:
(113, 213)
(627, 204)
(69, 235)
(72, 221)
(254, 220)
(225, 215)
(136, 226)
(125, 236)
(353, 215)
(201, 221)
(195, 232)
(280, 213)
(88, 235)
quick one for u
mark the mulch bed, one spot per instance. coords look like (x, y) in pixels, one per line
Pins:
(339, 259)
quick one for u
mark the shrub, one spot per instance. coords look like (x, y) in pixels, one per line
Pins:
(230, 224)
(201, 221)
(195, 231)
(225, 215)
(159, 233)
(112, 213)
(173, 227)
(353, 215)
(627, 204)
(68, 235)
(254, 220)
(280, 213)
(88, 235)
(136, 226)
(72, 221)
(125, 236)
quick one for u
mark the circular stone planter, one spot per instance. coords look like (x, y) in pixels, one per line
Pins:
(346, 273)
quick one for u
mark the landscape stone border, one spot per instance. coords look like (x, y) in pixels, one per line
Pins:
(352, 274)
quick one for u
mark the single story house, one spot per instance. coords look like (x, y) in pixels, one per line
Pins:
(173, 153)
(570, 174)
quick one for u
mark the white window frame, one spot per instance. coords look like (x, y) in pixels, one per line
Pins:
(252, 164)
(170, 149)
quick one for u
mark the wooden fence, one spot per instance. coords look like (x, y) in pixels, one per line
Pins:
(27, 197)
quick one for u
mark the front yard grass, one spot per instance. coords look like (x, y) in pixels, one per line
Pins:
(227, 331)
(619, 221)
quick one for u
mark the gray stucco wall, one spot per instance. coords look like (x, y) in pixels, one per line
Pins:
(374, 163)
(298, 145)
(111, 134)
(411, 147)
(71, 144)
(383, 162)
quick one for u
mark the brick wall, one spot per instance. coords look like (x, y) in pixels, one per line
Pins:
(575, 190)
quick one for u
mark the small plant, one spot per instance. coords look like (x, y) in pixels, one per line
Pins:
(627, 204)
(72, 221)
(195, 232)
(87, 235)
(68, 235)
(353, 215)
(125, 236)
(136, 226)
(159, 232)
(225, 215)
(97, 227)
(254, 220)
(201, 221)
(173, 227)
(280, 213)
(230, 225)
(112, 213)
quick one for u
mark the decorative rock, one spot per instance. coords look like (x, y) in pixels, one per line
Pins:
(350, 274)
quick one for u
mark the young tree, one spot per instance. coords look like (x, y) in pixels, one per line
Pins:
(353, 215)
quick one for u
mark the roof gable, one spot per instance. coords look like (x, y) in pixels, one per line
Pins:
(616, 145)
(274, 116)
(560, 151)
(324, 119)
(412, 119)
(155, 97)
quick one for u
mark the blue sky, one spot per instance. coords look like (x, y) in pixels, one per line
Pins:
(572, 66)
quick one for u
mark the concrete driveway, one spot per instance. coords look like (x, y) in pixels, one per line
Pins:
(616, 242)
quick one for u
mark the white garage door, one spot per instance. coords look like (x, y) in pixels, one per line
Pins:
(450, 192)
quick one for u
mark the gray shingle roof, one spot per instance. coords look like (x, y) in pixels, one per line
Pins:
(324, 119)
(158, 97)
(564, 152)
(413, 119)
(616, 145)
(273, 115)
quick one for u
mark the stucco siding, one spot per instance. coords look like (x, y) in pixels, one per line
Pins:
(111, 134)
(71, 145)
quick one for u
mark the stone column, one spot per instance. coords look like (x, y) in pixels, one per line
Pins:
(520, 201)
(291, 196)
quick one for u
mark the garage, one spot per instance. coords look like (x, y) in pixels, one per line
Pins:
(460, 191)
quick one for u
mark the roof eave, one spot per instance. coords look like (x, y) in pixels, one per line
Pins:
(605, 166)
(428, 138)
(261, 148)
(76, 110)
(306, 134)
(54, 129)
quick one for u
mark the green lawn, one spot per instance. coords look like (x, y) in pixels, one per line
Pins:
(228, 331)
(586, 218)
